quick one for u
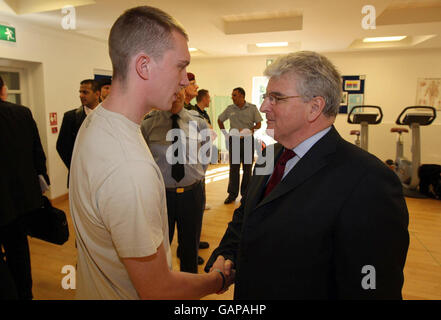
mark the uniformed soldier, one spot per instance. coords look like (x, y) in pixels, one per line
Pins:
(191, 91)
(183, 180)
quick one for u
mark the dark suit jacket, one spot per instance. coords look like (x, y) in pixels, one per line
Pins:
(338, 210)
(22, 159)
(7, 287)
(70, 126)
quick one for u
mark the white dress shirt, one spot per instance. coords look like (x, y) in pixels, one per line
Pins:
(302, 149)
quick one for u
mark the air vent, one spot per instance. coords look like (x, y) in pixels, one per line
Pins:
(263, 22)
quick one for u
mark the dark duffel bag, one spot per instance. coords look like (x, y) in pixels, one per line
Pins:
(430, 180)
(48, 223)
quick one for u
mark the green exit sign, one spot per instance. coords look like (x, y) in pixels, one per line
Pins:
(7, 33)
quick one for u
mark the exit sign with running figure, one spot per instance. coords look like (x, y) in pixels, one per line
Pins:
(7, 33)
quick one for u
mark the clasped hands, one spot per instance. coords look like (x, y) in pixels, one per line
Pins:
(226, 268)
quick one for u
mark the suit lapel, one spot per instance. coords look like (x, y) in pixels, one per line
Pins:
(258, 182)
(315, 159)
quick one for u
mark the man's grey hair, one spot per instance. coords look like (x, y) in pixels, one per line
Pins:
(139, 29)
(316, 75)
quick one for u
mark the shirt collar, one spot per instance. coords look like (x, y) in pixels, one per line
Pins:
(183, 114)
(246, 105)
(87, 110)
(200, 110)
(304, 147)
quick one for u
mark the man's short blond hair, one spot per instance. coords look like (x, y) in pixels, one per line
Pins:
(141, 29)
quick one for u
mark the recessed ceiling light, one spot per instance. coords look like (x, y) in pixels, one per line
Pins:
(192, 49)
(384, 39)
(271, 44)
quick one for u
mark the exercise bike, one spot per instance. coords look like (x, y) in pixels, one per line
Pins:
(407, 170)
(364, 119)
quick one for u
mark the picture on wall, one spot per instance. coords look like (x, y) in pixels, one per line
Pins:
(352, 85)
(344, 98)
(355, 100)
(429, 92)
(352, 92)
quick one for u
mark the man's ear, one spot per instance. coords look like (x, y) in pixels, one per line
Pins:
(317, 105)
(142, 65)
(3, 93)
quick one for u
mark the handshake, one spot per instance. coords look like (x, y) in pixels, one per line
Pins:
(225, 269)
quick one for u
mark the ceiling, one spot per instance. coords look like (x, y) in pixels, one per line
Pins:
(220, 28)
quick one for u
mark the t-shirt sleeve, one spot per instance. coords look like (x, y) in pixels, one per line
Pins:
(130, 202)
(224, 115)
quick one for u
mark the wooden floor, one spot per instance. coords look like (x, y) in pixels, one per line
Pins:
(422, 270)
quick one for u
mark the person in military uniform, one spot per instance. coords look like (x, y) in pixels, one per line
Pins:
(191, 91)
(183, 180)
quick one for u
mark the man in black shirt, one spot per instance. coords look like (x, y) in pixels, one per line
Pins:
(203, 101)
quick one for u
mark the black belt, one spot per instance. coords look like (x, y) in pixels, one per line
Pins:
(183, 189)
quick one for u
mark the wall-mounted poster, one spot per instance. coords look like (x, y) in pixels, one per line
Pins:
(352, 92)
(344, 98)
(355, 100)
(429, 92)
(352, 85)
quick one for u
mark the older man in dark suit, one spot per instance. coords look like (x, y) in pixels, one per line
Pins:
(22, 160)
(330, 222)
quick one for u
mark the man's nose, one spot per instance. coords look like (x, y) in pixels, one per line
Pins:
(265, 107)
(184, 79)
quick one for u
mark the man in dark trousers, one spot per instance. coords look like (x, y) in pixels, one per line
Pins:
(244, 120)
(22, 162)
(185, 188)
(330, 220)
(89, 95)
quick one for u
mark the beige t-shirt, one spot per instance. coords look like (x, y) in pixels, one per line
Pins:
(117, 202)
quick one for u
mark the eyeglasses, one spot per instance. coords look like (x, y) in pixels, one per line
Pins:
(273, 99)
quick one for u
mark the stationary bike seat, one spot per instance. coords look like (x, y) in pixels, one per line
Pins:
(399, 130)
(355, 132)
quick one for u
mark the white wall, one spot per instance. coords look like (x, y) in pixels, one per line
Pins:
(391, 79)
(56, 61)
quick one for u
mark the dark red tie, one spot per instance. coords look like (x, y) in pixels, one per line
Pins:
(279, 170)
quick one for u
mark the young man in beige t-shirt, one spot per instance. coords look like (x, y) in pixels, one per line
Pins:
(117, 195)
